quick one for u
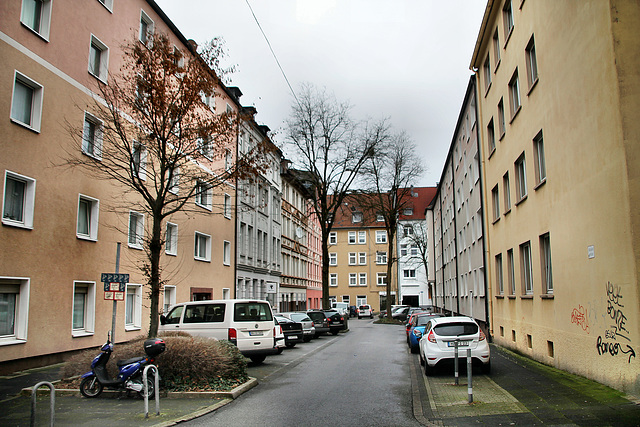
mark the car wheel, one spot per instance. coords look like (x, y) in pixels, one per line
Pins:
(258, 359)
(414, 350)
(306, 339)
(334, 332)
(290, 345)
(421, 360)
(280, 350)
(428, 370)
(486, 368)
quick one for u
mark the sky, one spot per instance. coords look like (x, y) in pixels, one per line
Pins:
(406, 60)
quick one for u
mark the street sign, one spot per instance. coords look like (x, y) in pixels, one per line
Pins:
(114, 287)
(272, 287)
(114, 295)
(114, 277)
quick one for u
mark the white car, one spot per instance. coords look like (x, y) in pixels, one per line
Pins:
(365, 311)
(438, 342)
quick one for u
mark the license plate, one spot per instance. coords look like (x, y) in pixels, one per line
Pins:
(293, 337)
(460, 343)
(255, 333)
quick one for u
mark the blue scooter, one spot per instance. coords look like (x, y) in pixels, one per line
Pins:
(130, 370)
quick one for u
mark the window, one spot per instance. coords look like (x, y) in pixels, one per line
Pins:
(507, 17)
(226, 252)
(139, 160)
(171, 239)
(501, 123)
(521, 178)
(353, 279)
(133, 307)
(362, 279)
(169, 298)
(514, 94)
(228, 159)
(525, 267)
(205, 146)
(98, 59)
(511, 272)
(136, 230)
(333, 279)
(486, 71)
(26, 104)
(538, 153)
(545, 260)
(414, 250)
(346, 298)
(506, 192)
(491, 137)
(408, 230)
(380, 218)
(381, 236)
(381, 257)
(352, 258)
(202, 247)
(362, 237)
(496, 49)
(333, 238)
(108, 4)
(92, 136)
(36, 15)
(532, 63)
(87, 226)
(408, 211)
(352, 237)
(499, 277)
(14, 310)
(356, 217)
(495, 203)
(409, 274)
(173, 184)
(19, 200)
(403, 249)
(146, 28)
(203, 195)
(362, 258)
(227, 206)
(381, 279)
(84, 303)
(333, 258)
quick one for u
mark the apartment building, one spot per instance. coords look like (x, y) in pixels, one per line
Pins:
(558, 95)
(413, 239)
(60, 228)
(458, 236)
(259, 220)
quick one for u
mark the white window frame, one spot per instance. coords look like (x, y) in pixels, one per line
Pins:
(89, 315)
(356, 217)
(138, 233)
(507, 16)
(532, 63)
(362, 237)
(353, 279)
(502, 125)
(204, 190)
(21, 286)
(173, 183)
(362, 258)
(407, 230)
(545, 264)
(94, 212)
(227, 206)
(92, 144)
(381, 236)
(333, 258)
(333, 279)
(491, 136)
(499, 274)
(171, 236)
(169, 298)
(108, 4)
(381, 257)
(381, 279)
(380, 218)
(414, 249)
(506, 191)
(526, 268)
(103, 67)
(514, 94)
(409, 273)
(133, 321)
(408, 211)
(199, 239)
(226, 252)
(139, 159)
(539, 160)
(150, 28)
(352, 238)
(45, 19)
(404, 251)
(362, 279)
(205, 146)
(521, 178)
(495, 203)
(353, 258)
(37, 94)
(28, 201)
(333, 238)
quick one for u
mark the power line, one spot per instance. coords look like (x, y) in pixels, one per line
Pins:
(272, 52)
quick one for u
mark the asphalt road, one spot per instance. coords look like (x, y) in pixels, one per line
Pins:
(359, 377)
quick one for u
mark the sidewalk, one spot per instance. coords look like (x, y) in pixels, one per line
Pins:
(519, 391)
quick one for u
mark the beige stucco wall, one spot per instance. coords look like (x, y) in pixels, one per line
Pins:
(590, 325)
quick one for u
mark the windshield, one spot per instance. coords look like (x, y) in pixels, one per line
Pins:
(174, 315)
(456, 329)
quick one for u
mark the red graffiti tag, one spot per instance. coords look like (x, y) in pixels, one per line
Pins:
(579, 317)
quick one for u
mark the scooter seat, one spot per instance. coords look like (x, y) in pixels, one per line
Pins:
(129, 361)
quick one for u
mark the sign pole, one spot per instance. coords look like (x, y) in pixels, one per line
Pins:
(115, 304)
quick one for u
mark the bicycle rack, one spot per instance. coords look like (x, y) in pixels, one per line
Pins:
(146, 390)
(33, 401)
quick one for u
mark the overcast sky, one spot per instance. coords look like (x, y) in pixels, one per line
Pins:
(403, 59)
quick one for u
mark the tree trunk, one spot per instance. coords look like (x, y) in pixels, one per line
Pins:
(390, 262)
(155, 249)
(325, 269)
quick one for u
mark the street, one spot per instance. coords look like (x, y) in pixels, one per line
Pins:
(360, 377)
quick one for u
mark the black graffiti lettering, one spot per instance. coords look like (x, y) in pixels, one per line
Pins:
(613, 348)
(613, 294)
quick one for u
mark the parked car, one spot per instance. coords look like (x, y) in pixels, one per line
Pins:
(365, 311)
(292, 331)
(394, 308)
(353, 311)
(408, 325)
(337, 322)
(278, 337)
(308, 327)
(341, 307)
(416, 329)
(400, 313)
(320, 321)
(246, 323)
(438, 342)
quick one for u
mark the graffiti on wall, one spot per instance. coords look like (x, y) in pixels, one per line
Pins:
(616, 340)
(580, 318)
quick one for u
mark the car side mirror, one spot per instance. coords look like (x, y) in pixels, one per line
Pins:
(163, 319)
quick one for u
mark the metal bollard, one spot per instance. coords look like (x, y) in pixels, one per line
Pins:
(455, 360)
(33, 401)
(469, 376)
(146, 390)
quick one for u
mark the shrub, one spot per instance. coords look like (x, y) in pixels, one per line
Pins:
(188, 363)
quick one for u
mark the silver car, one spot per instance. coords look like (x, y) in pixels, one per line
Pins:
(308, 326)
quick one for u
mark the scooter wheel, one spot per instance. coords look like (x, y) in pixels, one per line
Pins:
(151, 386)
(90, 387)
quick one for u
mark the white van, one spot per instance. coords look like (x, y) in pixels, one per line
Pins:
(246, 323)
(341, 307)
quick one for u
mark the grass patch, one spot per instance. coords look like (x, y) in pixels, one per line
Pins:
(388, 321)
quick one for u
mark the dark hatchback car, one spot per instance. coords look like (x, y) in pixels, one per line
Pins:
(292, 331)
(337, 322)
(320, 321)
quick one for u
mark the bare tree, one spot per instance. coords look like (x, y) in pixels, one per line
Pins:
(330, 148)
(154, 133)
(387, 180)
